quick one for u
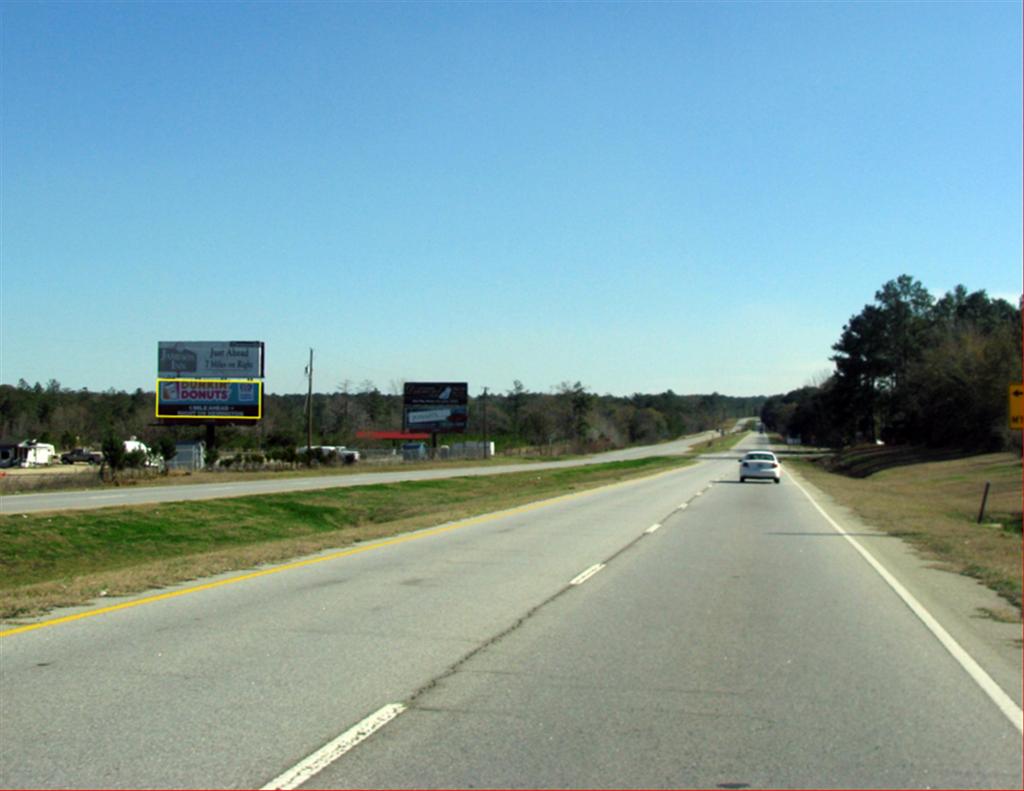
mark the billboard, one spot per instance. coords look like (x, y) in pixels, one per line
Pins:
(436, 407)
(209, 399)
(210, 359)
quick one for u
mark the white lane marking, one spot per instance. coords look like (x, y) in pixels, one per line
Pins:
(587, 574)
(683, 507)
(332, 751)
(651, 529)
(1003, 701)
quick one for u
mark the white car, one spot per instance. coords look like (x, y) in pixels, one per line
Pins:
(760, 464)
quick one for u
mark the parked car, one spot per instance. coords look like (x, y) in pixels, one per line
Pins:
(347, 455)
(326, 453)
(81, 454)
(762, 464)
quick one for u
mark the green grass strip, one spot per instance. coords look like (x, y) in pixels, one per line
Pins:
(63, 546)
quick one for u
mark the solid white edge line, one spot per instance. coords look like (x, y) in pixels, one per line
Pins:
(579, 580)
(332, 751)
(1004, 702)
(652, 528)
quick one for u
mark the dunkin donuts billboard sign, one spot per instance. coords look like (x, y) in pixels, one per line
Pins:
(209, 399)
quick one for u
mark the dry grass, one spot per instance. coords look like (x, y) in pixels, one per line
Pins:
(935, 507)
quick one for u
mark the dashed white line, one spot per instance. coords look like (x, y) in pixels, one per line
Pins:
(332, 751)
(683, 506)
(579, 580)
(652, 528)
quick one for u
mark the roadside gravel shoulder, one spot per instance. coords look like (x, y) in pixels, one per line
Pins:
(959, 603)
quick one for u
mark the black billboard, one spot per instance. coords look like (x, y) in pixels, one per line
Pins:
(436, 407)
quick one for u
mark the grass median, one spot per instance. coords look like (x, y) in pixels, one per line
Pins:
(67, 558)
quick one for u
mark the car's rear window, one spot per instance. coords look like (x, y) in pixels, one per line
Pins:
(761, 456)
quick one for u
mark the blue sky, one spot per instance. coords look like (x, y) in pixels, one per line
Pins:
(637, 196)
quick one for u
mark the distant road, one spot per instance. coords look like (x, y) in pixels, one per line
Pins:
(80, 500)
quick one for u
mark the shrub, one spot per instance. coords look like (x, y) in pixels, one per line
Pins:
(114, 455)
(136, 459)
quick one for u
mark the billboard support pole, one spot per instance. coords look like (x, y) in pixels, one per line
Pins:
(211, 436)
(486, 446)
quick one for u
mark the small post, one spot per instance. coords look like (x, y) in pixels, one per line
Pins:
(984, 501)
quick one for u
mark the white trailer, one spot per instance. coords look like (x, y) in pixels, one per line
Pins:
(32, 453)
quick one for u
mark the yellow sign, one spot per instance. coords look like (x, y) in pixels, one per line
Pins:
(1017, 406)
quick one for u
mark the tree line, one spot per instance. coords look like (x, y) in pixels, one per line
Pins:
(568, 415)
(914, 370)
(909, 369)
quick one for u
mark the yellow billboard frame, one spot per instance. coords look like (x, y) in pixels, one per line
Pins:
(248, 418)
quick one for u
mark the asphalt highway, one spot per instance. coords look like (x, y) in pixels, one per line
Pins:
(683, 630)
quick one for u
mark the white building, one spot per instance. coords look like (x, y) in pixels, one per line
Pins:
(190, 456)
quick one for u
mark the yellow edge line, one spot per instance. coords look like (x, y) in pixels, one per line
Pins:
(472, 521)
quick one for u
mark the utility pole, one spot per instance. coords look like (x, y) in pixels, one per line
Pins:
(309, 411)
(343, 388)
(484, 399)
